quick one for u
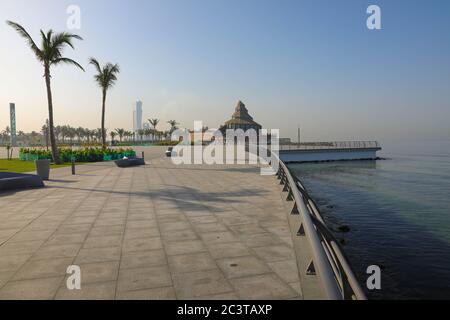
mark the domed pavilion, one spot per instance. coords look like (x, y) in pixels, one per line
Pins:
(241, 120)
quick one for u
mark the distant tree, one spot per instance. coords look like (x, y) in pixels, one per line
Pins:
(63, 133)
(141, 133)
(79, 132)
(98, 134)
(166, 134)
(154, 123)
(57, 131)
(93, 135)
(148, 132)
(44, 131)
(121, 133)
(173, 125)
(71, 133)
(7, 131)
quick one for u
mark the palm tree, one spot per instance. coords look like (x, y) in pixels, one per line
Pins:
(148, 132)
(99, 134)
(166, 134)
(63, 133)
(92, 134)
(44, 131)
(57, 131)
(7, 131)
(173, 125)
(141, 133)
(50, 55)
(87, 134)
(154, 123)
(130, 135)
(121, 133)
(80, 133)
(71, 133)
(106, 77)
(113, 135)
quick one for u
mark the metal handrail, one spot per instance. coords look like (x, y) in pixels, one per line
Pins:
(330, 145)
(328, 260)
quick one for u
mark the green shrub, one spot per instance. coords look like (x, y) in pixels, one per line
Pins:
(79, 155)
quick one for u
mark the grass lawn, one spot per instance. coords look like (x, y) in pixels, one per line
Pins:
(16, 165)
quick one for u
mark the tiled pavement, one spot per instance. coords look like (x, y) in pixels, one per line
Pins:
(154, 232)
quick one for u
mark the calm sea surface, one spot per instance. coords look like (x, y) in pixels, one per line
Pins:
(398, 211)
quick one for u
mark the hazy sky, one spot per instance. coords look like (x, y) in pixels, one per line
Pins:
(313, 63)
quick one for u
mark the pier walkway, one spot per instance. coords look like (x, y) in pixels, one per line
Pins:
(155, 232)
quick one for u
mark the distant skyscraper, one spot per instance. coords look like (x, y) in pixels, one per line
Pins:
(137, 116)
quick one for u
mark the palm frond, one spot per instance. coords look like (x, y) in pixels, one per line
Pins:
(107, 75)
(96, 64)
(62, 38)
(22, 32)
(49, 35)
(68, 61)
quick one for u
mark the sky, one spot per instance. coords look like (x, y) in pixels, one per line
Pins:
(307, 63)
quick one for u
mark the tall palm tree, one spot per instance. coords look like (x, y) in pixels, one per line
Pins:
(106, 77)
(50, 54)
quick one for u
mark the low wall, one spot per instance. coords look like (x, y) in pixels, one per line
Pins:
(328, 155)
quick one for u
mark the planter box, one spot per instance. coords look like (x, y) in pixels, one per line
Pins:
(43, 168)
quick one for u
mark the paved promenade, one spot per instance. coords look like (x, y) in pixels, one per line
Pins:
(154, 232)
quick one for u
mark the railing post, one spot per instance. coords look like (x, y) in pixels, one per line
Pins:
(301, 231)
(311, 270)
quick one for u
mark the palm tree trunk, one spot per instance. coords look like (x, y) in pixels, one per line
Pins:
(103, 120)
(55, 153)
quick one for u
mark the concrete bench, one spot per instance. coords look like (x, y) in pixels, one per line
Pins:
(125, 163)
(14, 181)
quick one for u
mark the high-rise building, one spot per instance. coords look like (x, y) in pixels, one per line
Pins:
(137, 116)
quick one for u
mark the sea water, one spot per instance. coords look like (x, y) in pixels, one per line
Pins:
(398, 214)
